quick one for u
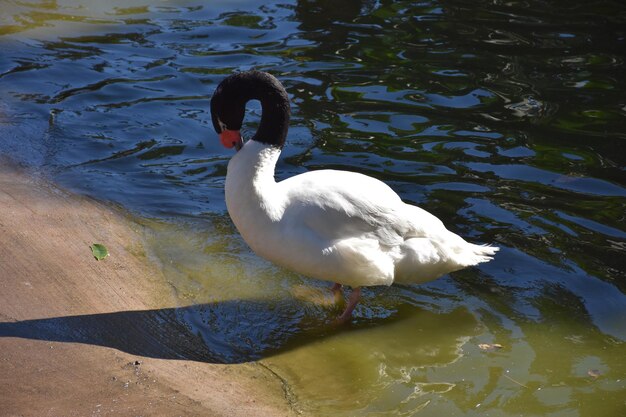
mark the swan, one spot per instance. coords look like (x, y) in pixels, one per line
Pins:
(338, 226)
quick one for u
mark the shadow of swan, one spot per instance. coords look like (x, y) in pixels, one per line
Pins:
(224, 332)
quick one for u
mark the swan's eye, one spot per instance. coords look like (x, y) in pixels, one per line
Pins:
(222, 125)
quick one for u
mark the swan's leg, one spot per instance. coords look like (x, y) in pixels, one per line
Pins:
(336, 289)
(352, 302)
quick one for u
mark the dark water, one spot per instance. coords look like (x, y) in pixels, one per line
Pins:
(505, 119)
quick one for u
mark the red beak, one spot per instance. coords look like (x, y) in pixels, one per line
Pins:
(231, 138)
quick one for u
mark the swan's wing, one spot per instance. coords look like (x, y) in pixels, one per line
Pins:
(341, 204)
(373, 237)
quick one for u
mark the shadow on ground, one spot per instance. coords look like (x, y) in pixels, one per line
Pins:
(224, 332)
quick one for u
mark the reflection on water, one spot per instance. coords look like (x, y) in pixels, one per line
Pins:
(505, 119)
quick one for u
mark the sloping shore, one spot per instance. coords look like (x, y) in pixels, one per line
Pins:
(51, 285)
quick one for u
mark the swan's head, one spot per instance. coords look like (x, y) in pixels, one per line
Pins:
(228, 107)
(227, 113)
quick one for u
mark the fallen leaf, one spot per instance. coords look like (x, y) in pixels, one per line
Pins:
(594, 373)
(489, 347)
(99, 251)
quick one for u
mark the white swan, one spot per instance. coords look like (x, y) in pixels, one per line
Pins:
(337, 226)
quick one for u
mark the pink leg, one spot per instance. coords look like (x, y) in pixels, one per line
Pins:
(336, 289)
(352, 302)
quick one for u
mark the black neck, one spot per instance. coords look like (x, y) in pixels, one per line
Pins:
(236, 90)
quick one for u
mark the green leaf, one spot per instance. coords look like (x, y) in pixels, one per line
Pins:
(99, 251)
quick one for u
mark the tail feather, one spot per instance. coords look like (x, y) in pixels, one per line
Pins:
(476, 254)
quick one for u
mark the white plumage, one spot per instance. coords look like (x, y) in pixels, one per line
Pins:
(339, 226)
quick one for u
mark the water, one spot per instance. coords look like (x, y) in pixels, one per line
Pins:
(505, 119)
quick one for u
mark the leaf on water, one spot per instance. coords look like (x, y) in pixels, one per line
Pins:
(594, 373)
(99, 251)
(489, 347)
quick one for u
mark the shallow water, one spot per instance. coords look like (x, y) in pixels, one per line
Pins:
(506, 120)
